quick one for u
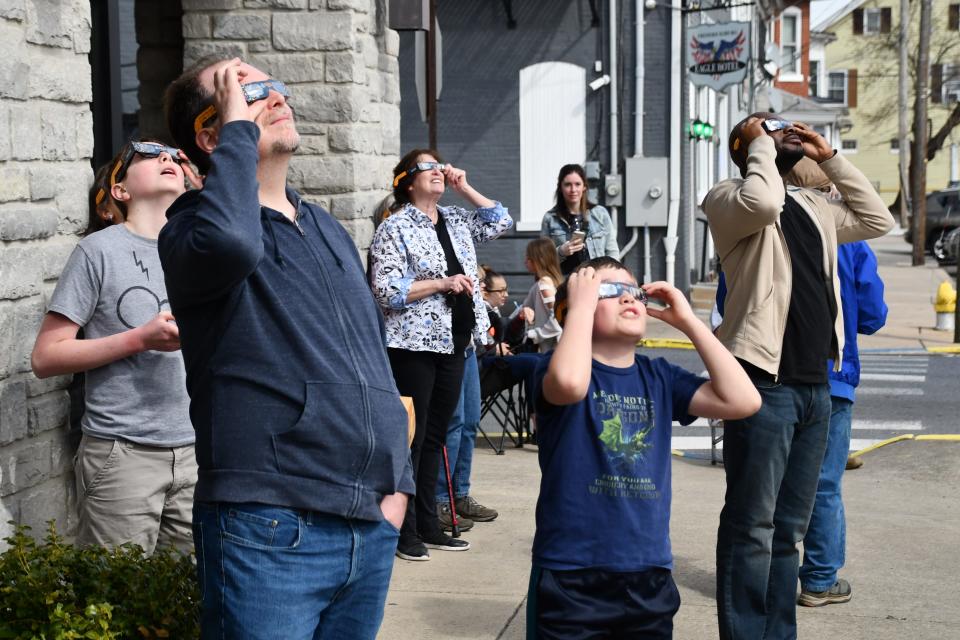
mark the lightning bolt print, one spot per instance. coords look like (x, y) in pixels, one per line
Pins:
(139, 263)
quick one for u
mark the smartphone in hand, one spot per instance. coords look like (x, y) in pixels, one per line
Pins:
(578, 236)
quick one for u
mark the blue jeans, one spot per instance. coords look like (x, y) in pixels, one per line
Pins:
(824, 546)
(272, 572)
(772, 462)
(462, 433)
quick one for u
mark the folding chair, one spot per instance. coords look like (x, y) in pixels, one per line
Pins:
(716, 437)
(502, 397)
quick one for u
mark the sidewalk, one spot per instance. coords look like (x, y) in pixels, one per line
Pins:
(903, 523)
(909, 293)
(903, 516)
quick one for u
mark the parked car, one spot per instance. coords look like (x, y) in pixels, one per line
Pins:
(943, 216)
(951, 248)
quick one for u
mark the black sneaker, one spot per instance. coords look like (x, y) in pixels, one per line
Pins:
(474, 510)
(414, 551)
(443, 542)
(446, 522)
(839, 593)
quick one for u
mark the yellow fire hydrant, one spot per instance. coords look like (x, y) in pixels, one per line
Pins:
(945, 305)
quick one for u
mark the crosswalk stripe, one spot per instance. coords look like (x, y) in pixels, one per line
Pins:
(892, 376)
(911, 370)
(889, 391)
(888, 425)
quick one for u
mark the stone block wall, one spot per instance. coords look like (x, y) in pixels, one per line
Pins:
(46, 141)
(340, 61)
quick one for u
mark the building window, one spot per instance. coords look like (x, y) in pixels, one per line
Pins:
(895, 145)
(848, 146)
(871, 21)
(837, 87)
(790, 25)
(814, 78)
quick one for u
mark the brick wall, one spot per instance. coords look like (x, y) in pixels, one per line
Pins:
(46, 142)
(340, 60)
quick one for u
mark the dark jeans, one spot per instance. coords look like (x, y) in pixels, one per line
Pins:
(772, 463)
(433, 381)
(592, 604)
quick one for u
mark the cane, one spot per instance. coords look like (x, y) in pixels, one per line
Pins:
(455, 525)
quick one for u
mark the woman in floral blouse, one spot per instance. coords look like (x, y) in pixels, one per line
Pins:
(423, 273)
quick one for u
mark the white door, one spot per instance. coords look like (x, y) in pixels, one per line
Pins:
(552, 133)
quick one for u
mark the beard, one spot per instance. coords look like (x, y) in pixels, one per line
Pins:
(787, 158)
(286, 145)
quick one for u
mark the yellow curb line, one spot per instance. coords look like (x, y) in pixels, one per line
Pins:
(948, 349)
(882, 443)
(665, 343)
(949, 437)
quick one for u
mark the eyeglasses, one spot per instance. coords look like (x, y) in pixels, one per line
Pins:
(617, 289)
(145, 149)
(497, 291)
(252, 91)
(776, 124)
(420, 166)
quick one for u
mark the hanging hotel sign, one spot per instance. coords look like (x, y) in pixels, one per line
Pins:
(718, 54)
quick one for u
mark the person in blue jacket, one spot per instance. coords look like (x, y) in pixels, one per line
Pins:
(864, 311)
(301, 437)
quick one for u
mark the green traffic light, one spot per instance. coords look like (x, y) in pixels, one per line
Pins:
(707, 131)
(697, 128)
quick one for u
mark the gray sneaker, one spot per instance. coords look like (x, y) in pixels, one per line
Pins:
(474, 510)
(839, 593)
(446, 522)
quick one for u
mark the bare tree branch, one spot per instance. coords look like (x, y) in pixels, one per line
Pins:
(936, 142)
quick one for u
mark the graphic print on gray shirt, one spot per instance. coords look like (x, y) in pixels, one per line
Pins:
(111, 283)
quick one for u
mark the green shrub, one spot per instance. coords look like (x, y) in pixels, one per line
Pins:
(55, 591)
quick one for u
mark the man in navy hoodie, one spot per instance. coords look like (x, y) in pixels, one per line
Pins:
(304, 469)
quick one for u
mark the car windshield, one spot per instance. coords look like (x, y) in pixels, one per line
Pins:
(943, 203)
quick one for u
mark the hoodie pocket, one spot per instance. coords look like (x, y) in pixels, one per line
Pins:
(334, 439)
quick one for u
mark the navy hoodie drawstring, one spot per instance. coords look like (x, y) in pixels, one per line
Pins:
(323, 237)
(273, 236)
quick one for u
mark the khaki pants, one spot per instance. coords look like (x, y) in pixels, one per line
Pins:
(128, 492)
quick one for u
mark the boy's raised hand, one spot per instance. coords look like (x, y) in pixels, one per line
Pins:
(583, 290)
(677, 312)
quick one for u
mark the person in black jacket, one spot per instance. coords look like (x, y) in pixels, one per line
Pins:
(304, 470)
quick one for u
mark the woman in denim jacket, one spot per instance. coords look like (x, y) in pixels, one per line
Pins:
(423, 271)
(574, 213)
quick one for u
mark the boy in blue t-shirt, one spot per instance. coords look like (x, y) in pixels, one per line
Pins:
(601, 553)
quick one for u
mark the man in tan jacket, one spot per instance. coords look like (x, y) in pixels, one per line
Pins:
(778, 248)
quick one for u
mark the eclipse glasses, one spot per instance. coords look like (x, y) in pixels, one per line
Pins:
(617, 289)
(252, 91)
(606, 290)
(420, 166)
(775, 124)
(145, 149)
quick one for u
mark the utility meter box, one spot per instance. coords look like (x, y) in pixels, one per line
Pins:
(647, 183)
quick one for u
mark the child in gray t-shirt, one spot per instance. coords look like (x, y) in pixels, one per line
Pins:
(135, 467)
